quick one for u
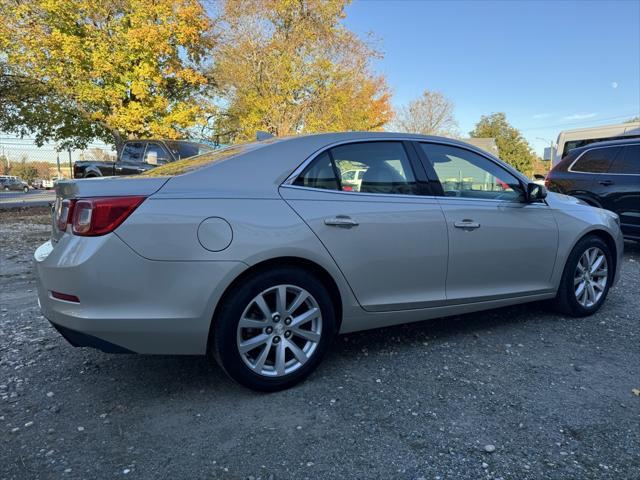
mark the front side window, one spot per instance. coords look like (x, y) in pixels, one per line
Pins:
(597, 160)
(156, 155)
(466, 174)
(364, 167)
(132, 152)
(627, 162)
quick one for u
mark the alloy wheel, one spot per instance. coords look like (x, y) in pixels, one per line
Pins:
(279, 330)
(590, 277)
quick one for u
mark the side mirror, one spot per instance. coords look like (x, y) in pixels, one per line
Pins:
(535, 192)
(152, 158)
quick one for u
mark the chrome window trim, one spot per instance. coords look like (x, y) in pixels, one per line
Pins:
(363, 194)
(570, 169)
(291, 178)
(437, 198)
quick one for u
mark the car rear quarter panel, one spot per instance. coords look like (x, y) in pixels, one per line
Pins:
(262, 229)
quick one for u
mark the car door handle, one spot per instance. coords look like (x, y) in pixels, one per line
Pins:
(606, 183)
(467, 224)
(341, 221)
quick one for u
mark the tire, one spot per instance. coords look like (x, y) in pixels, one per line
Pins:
(274, 337)
(6, 189)
(568, 300)
(25, 189)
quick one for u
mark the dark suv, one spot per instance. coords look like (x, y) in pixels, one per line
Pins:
(605, 175)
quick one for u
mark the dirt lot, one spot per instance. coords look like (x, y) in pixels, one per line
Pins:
(553, 395)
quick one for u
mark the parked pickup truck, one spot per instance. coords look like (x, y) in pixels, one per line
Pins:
(138, 156)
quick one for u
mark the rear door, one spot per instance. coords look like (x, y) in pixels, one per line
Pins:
(386, 234)
(590, 169)
(499, 246)
(622, 192)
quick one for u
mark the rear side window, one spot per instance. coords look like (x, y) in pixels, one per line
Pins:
(319, 174)
(364, 167)
(627, 162)
(597, 160)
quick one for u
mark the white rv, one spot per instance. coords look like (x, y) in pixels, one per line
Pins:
(570, 139)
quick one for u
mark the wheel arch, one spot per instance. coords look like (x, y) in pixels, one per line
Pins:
(607, 238)
(587, 198)
(278, 262)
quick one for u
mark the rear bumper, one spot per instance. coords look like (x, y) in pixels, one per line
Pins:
(126, 302)
(80, 339)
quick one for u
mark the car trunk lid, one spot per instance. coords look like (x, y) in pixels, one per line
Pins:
(100, 187)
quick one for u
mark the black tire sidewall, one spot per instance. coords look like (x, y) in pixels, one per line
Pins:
(225, 327)
(568, 276)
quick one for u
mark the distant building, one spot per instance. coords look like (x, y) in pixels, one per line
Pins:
(486, 144)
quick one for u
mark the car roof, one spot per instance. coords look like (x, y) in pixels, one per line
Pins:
(607, 143)
(265, 165)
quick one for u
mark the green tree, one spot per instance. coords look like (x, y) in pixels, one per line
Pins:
(74, 70)
(512, 146)
(633, 120)
(290, 66)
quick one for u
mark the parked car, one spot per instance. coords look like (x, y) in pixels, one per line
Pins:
(581, 137)
(138, 156)
(13, 183)
(254, 254)
(605, 175)
(352, 179)
(49, 184)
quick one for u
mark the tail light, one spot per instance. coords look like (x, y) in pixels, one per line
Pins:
(93, 217)
(64, 213)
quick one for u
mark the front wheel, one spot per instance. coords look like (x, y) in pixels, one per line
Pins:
(6, 189)
(25, 189)
(273, 330)
(586, 279)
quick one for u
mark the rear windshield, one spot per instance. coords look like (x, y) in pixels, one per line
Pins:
(182, 150)
(193, 163)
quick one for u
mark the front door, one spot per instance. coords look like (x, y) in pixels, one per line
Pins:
(499, 246)
(389, 241)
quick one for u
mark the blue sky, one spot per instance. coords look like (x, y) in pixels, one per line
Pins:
(548, 65)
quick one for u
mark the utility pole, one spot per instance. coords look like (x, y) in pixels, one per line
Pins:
(551, 149)
(70, 165)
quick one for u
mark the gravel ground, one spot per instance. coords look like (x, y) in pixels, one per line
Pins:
(515, 393)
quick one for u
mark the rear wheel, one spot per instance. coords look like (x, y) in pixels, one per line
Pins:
(273, 330)
(586, 278)
(6, 189)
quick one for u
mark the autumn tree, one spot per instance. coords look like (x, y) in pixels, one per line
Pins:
(25, 170)
(429, 114)
(74, 70)
(512, 146)
(4, 165)
(290, 66)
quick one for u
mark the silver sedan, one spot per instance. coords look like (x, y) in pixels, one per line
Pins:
(259, 254)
